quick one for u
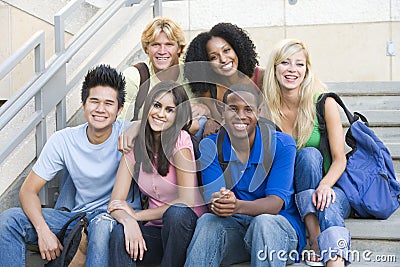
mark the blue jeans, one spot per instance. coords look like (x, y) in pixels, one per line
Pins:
(239, 238)
(334, 238)
(166, 245)
(16, 231)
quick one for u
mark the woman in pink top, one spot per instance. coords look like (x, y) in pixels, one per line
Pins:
(167, 177)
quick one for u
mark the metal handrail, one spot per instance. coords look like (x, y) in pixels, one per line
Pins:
(34, 89)
(9, 110)
(36, 42)
(17, 103)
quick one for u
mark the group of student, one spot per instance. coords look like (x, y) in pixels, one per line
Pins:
(244, 210)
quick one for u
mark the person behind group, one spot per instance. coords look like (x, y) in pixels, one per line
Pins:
(258, 214)
(167, 177)
(292, 90)
(163, 40)
(233, 56)
(89, 154)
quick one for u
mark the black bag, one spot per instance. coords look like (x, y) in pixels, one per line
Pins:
(75, 244)
(369, 180)
(143, 88)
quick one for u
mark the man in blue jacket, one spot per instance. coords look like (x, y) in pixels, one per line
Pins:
(253, 214)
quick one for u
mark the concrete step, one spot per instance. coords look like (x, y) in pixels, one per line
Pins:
(46, 9)
(370, 229)
(373, 243)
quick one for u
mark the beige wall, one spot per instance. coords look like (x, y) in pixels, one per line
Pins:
(17, 27)
(347, 39)
(340, 52)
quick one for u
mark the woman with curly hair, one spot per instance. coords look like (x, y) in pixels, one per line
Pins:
(292, 91)
(233, 60)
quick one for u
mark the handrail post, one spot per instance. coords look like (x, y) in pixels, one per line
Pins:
(59, 38)
(40, 58)
(59, 24)
(157, 8)
(132, 2)
(59, 27)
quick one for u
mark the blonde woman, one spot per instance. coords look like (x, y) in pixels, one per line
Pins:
(292, 91)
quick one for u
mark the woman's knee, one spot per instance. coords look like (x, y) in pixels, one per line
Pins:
(309, 157)
(209, 222)
(335, 214)
(308, 169)
(180, 213)
(117, 235)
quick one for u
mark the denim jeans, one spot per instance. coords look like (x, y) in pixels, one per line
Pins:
(334, 238)
(166, 245)
(16, 231)
(239, 238)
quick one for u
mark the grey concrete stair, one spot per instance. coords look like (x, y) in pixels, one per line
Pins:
(372, 240)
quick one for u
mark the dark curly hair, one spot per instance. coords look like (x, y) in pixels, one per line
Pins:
(236, 37)
(194, 72)
(241, 43)
(104, 75)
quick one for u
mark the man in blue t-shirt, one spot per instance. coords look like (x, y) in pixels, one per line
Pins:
(257, 218)
(88, 153)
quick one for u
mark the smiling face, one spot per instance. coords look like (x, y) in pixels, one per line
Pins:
(241, 115)
(101, 110)
(162, 113)
(291, 71)
(163, 52)
(221, 52)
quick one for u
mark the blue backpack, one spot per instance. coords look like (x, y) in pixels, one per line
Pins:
(369, 180)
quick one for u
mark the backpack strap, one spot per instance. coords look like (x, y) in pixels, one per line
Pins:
(144, 200)
(143, 88)
(196, 152)
(224, 164)
(320, 108)
(324, 147)
(63, 230)
(266, 126)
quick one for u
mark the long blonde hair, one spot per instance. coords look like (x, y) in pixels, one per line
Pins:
(309, 88)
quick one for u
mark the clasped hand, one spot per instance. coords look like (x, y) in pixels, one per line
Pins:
(223, 203)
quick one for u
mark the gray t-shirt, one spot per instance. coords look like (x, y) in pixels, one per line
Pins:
(93, 168)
